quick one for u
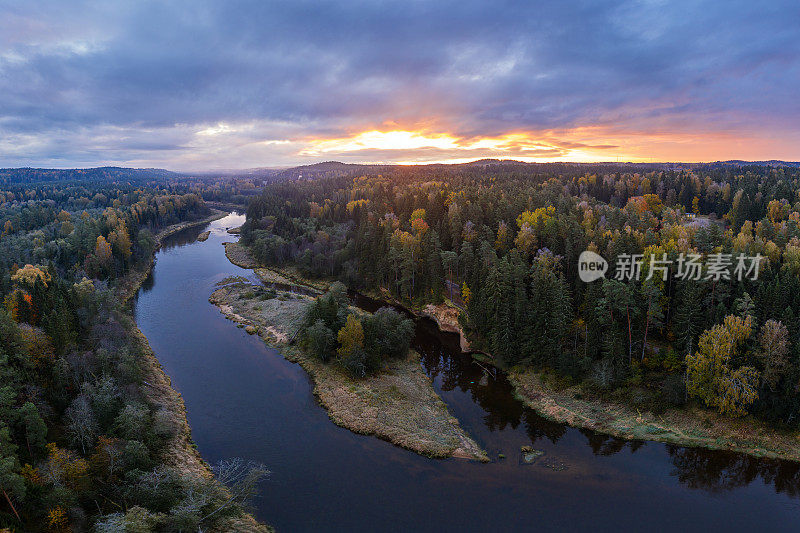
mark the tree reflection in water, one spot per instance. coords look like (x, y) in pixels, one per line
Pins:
(715, 470)
(698, 468)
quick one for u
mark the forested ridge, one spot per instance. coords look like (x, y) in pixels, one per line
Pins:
(81, 444)
(502, 241)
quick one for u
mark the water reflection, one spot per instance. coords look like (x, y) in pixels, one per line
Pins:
(244, 399)
(697, 468)
(718, 471)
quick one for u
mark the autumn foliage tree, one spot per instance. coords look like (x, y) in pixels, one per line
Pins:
(419, 234)
(709, 374)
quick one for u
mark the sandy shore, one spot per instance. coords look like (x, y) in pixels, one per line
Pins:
(398, 404)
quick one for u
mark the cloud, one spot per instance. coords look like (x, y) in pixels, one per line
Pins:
(138, 82)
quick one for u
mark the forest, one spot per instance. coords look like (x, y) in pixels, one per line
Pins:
(500, 242)
(82, 446)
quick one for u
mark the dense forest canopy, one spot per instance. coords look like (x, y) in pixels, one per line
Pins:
(38, 175)
(81, 443)
(502, 240)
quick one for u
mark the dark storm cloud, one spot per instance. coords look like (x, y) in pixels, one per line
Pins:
(151, 74)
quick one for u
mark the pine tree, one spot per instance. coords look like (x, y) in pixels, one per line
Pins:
(687, 322)
(33, 426)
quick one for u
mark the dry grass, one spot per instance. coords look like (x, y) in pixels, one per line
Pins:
(239, 255)
(687, 427)
(277, 318)
(180, 452)
(398, 404)
(267, 275)
(203, 237)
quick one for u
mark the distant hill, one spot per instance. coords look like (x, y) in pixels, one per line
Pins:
(265, 173)
(770, 163)
(39, 175)
(329, 169)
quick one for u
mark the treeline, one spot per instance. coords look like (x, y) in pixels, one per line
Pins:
(81, 444)
(101, 243)
(502, 242)
(361, 343)
(101, 174)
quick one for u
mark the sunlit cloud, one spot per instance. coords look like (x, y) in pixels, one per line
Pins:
(206, 85)
(409, 147)
(406, 147)
(216, 130)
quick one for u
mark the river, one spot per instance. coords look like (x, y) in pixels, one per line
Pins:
(245, 400)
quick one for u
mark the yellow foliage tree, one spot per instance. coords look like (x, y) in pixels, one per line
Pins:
(122, 243)
(350, 337)
(28, 275)
(466, 294)
(36, 344)
(102, 251)
(526, 239)
(533, 218)
(709, 376)
(418, 213)
(503, 240)
(64, 467)
(57, 518)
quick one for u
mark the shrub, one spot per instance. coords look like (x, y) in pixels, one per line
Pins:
(268, 294)
(134, 421)
(359, 363)
(136, 456)
(331, 308)
(673, 389)
(135, 520)
(387, 333)
(320, 340)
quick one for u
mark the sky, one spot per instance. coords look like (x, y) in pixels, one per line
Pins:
(204, 85)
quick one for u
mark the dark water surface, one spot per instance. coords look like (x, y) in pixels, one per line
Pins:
(245, 400)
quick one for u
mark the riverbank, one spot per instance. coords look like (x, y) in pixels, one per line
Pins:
(240, 256)
(692, 426)
(180, 452)
(398, 404)
(128, 285)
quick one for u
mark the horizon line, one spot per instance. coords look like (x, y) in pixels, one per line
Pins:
(411, 164)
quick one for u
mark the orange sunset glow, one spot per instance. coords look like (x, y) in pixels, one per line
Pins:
(585, 144)
(239, 89)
